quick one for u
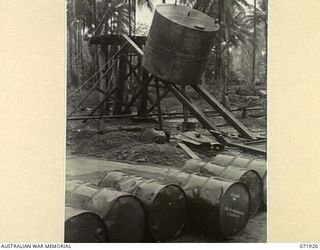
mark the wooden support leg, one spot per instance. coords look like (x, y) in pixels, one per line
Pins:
(159, 105)
(137, 94)
(161, 97)
(120, 85)
(226, 114)
(144, 93)
(92, 89)
(191, 107)
(107, 95)
(103, 53)
(185, 114)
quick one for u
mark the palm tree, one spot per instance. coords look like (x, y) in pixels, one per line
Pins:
(263, 17)
(258, 18)
(230, 16)
(253, 77)
(69, 35)
(147, 3)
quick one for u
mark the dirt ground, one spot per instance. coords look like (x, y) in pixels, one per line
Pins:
(106, 140)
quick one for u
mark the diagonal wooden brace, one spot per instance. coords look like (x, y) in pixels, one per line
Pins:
(226, 114)
(191, 107)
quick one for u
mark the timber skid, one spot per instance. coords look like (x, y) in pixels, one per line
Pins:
(128, 92)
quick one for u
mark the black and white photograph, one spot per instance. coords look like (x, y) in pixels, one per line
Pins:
(166, 121)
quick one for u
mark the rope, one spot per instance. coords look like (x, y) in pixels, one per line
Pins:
(93, 88)
(88, 80)
(99, 70)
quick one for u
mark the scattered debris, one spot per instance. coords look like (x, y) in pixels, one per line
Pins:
(196, 139)
(188, 151)
(152, 135)
(189, 125)
(141, 160)
(125, 128)
(262, 92)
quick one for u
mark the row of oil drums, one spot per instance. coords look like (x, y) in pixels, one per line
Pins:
(216, 198)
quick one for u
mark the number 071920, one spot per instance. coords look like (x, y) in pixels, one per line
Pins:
(308, 245)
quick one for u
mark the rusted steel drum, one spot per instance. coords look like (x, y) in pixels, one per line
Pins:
(179, 44)
(166, 205)
(259, 165)
(122, 213)
(216, 206)
(82, 226)
(247, 176)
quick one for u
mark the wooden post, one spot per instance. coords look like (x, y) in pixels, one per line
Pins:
(144, 93)
(120, 85)
(185, 114)
(125, 82)
(103, 82)
(136, 82)
(115, 79)
(107, 52)
(159, 105)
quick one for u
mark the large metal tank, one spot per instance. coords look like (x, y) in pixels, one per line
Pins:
(165, 205)
(259, 165)
(82, 226)
(218, 207)
(179, 43)
(122, 213)
(247, 176)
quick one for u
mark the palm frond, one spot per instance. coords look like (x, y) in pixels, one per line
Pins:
(147, 3)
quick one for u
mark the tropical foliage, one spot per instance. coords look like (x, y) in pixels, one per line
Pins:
(239, 54)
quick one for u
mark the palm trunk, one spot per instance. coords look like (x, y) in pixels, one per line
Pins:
(253, 77)
(130, 17)
(227, 64)
(266, 56)
(96, 58)
(77, 52)
(217, 75)
(80, 50)
(70, 73)
(134, 17)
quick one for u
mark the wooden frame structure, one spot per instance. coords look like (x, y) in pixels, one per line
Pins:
(128, 93)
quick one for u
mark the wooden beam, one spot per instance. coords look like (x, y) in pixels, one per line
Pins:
(226, 114)
(120, 85)
(246, 148)
(191, 107)
(110, 92)
(133, 45)
(192, 154)
(159, 105)
(93, 88)
(185, 113)
(163, 95)
(101, 91)
(136, 95)
(115, 40)
(144, 93)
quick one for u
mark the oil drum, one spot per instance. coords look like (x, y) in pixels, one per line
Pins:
(82, 226)
(258, 165)
(122, 212)
(179, 43)
(165, 205)
(216, 206)
(247, 176)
